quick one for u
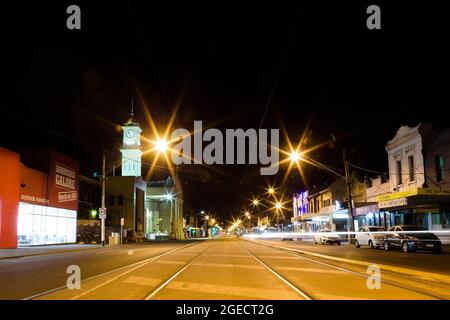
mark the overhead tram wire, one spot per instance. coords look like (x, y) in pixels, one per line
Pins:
(277, 75)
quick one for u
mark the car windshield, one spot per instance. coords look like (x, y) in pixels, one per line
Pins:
(413, 228)
(376, 229)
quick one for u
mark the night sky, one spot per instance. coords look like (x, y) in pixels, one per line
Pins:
(220, 61)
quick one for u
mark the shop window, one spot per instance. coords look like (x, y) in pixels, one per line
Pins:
(439, 160)
(411, 168)
(40, 225)
(399, 172)
(435, 218)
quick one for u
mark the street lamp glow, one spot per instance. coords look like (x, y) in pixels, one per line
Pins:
(295, 156)
(202, 212)
(161, 145)
(247, 213)
(207, 217)
(239, 222)
(255, 202)
(278, 205)
(271, 190)
(169, 196)
(213, 221)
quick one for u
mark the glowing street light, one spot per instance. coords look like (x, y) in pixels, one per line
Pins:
(247, 214)
(255, 202)
(271, 190)
(161, 145)
(278, 206)
(213, 221)
(295, 156)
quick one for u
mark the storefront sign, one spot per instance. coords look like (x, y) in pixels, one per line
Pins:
(63, 182)
(393, 203)
(414, 192)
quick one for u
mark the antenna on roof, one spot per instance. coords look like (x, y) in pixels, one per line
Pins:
(132, 106)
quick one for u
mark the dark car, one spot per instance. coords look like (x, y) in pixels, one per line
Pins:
(410, 238)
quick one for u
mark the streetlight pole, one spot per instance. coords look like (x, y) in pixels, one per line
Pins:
(349, 192)
(103, 199)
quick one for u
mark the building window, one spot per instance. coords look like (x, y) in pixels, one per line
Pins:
(439, 160)
(399, 173)
(411, 168)
(111, 200)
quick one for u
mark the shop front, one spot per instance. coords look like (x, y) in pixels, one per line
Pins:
(426, 207)
(45, 210)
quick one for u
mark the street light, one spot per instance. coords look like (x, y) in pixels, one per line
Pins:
(161, 145)
(295, 156)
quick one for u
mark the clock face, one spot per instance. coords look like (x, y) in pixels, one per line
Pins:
(129, 134)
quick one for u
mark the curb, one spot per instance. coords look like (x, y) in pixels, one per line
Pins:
(46, 253)
(410, 272)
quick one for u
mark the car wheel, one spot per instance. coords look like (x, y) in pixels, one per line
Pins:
(371, 246)
(339, 243)
(437, 251)
(386, 246)
(357, 244)
(405, 247)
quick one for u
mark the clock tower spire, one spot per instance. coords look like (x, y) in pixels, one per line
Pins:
(131, 147)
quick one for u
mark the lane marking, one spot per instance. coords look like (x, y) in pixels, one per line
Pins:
(142, 281)
(421, 274)
(292, 286)
(360, 274)
(249, 292)
(108, 272)
(154, 292)
(227, 265)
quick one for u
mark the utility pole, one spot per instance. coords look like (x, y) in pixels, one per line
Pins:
(349, 192)
(103, 199)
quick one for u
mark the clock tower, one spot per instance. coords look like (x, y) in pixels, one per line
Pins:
(131, 148)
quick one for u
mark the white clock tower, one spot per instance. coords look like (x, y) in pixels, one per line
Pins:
(131, 148)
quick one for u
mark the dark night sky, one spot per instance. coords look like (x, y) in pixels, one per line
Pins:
(219, 61)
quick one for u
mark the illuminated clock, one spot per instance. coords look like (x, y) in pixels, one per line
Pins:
(129, 134)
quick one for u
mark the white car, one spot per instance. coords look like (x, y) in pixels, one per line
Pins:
(326, 236)
(370, 236)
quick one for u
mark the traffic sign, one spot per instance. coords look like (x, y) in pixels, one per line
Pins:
(102, 213)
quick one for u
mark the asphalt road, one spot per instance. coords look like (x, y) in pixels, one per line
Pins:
(26, 276)
(214, 269)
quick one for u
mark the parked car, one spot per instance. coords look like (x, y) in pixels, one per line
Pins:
(287, 238)
(366, 237)
(326, 236)
(410, 238)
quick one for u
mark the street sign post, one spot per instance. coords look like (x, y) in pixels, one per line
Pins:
(102, 213)
(102, 216)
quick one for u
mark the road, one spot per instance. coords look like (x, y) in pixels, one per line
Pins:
(213, 269)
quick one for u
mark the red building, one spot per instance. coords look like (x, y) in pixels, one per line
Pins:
(38, 207)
